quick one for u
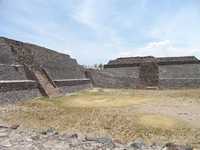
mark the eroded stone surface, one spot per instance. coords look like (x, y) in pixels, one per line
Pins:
(11, 139)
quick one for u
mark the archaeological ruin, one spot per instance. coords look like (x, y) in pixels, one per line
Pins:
(149, 72)
(28, 71)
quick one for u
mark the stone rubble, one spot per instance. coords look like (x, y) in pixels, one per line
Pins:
(16, 139)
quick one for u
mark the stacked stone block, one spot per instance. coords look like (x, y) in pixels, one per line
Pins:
(163, 72)
(19, 59)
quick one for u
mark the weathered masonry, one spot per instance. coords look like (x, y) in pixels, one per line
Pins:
(149, 72)
(28, 71)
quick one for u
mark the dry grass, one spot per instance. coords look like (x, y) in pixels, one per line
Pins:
(158, 121)
(104, 111)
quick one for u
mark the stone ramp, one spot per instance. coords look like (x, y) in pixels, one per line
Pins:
(49, 89)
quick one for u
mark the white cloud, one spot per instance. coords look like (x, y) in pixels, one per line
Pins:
(92, 13)
(175, 34)
(85, 13)
(96, 30)
(96, 15)
(160, 48)
(160, 44)
(181, 27)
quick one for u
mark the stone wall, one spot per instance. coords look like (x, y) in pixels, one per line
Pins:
(75, 88)
(149, 74)
(6, 56)
(19, 59)
(71, 82)
(106, 80)
(179, 83)
(16, 96)
(132, 72)
(59, 66)
(170, 76)
(13, 72)
(15, 90)
(17, 85)
(68, 86)
(179, 71)
(179, 76)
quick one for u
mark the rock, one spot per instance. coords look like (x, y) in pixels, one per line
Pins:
(3, 126)
(118, 144)
(3, 148)
(6, 143)
(104, 141)
(35, 138)
(4, 133)
(55, 144)
(50, 131)
(155, 146)
(135, 146)
(171, 146)
(51, 140)
(138, 144)
(14, 126)
(75, 136)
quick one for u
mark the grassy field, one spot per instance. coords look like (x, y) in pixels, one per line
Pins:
(170, 115)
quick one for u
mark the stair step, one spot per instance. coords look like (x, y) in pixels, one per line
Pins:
(46, 85)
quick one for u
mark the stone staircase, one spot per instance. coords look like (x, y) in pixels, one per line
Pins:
(49, 89)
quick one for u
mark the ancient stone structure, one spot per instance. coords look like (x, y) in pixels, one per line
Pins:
(149, 72)
(28, 71)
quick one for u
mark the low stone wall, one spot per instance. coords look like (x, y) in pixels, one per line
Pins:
(71, 82)
(106, 80)
(12, 91)
(73, 85)
(17, 85)
(15, 96)
(179, 83)
(12, 72)
(132, 72)
(179, 71)
(15, 90)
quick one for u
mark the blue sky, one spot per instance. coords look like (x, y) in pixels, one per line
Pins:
(95, 31)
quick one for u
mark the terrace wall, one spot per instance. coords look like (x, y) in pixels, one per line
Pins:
(17, 60)
(13, 72)
(179, 83)
(68, 86)
(132, 72)
(179, 71)
(59, 66)
(15, 90)
(179, 76)
(170, 76)
(106, 79)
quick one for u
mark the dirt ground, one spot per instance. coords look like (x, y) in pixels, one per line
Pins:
(155, 115)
